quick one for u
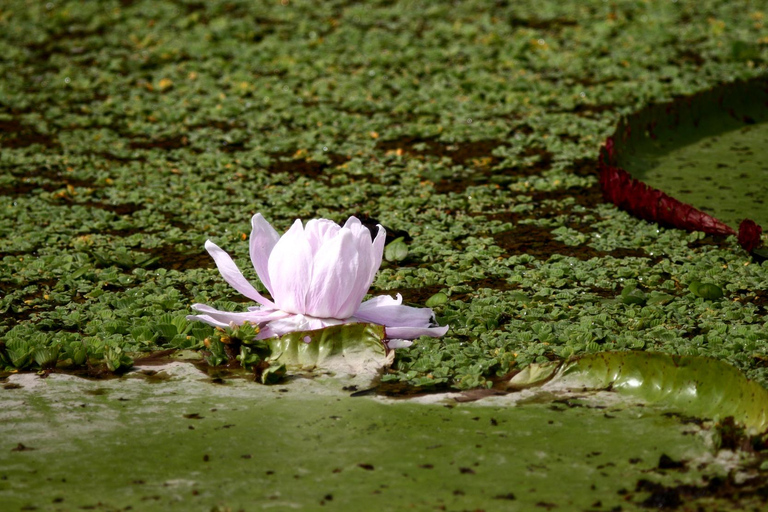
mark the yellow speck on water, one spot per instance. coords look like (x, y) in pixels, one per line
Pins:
(374, 135)
(164, 84)
(718, 26)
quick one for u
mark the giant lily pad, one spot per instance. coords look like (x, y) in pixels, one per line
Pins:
(696, 386)
(347, 350)
(187, 444)
(699, 162)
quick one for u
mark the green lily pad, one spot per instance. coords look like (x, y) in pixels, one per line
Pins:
(348, 349)
(695, 386)
(306, 444)
(709, 150)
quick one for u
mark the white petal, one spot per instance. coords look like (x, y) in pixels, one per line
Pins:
(290, 270)
(399, 316)
(411, 333)
(395, 343)
(233, 276)
(379, 301)
(263, 240)
(319, 231)
(369, 257)
(219, 318)
(400, 321)
(293, 323)
(377, 250)
(334, 272)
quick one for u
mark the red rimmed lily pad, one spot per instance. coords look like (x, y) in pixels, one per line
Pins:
(698, 163)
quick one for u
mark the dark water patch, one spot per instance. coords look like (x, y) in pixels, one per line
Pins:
(542, 161)
(118, 208)
(68, 42)
(757, 297)
(478, 150)
(309, 168)
(539, 23)
(418, 296)
(586, 110)
(19, 188)
(107, 155)
(481, 161)
(603, 293)
(223, 126)
(589, 197)
(688, 56)
(539, 242)
(477, 153)
(459, 184)
(583, 196)
(172, 220)
(15, 134)
(163, 143)
(584, 167)
(493, 284)
(233, 146)
(719, 241)
(55, 178)
(168, 257)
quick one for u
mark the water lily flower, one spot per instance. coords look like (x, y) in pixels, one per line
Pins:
(317, 276)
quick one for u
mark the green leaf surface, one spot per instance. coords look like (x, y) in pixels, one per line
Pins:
(696, 386)
(307, 444)
(709, 150)
(351, 349)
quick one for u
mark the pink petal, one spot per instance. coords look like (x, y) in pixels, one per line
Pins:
(263, 240)
(369, 261)
(293, 323)
(395, 343)
(219, 318)
(400, 321)
(290, 270)
(411, 333)
(334, 273)
(233, 276)
(319, 231)
(385, 310)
